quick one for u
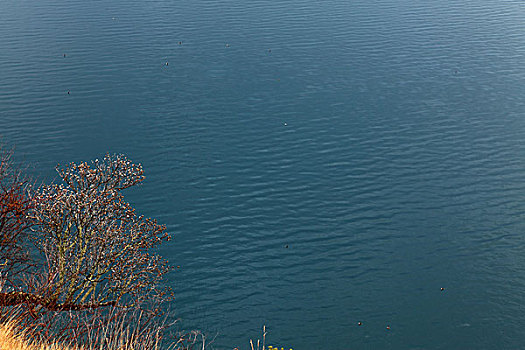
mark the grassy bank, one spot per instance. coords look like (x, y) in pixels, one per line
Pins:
(11, 339)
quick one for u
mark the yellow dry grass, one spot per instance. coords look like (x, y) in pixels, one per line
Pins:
(12, 340)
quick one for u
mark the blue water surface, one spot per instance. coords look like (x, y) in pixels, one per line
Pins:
(382, 141)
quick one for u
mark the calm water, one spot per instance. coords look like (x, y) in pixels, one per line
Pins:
(382, 141)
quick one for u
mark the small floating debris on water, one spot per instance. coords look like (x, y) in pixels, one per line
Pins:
(178, 266)
(227, 45)
(442, 289)
(68, 92)
(113, 18)
(269, 50)
(166, 63)
(180, 42)
(285, 124)
(359, 323)
(64, 55)
(286, 246)
(456, 71)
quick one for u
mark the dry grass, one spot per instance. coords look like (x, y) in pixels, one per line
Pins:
(125, 332)
(11, 339)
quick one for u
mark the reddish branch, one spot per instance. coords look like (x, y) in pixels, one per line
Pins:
(18, 298)
(15, 204)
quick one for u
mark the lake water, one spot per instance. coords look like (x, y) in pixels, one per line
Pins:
(382, 141)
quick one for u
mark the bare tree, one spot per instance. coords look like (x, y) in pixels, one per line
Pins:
(99, 252)
(15, 204)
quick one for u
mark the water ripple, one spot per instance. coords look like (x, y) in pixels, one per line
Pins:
(320, 163)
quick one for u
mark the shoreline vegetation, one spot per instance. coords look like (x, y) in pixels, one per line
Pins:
(78, 265)
(13, 338)
(78, 268)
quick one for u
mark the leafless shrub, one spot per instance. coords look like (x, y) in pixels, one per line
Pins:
(98, 280)
(15, 204)
(99, 251)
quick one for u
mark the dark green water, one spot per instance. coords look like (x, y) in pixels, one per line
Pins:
(382, 141)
